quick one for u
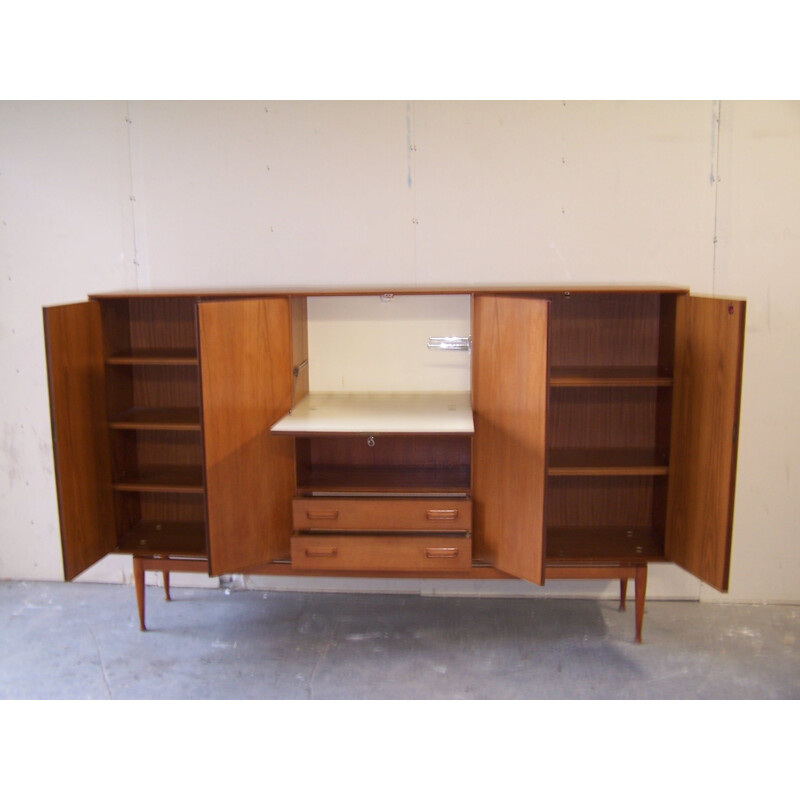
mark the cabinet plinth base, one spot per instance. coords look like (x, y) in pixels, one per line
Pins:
(621, 572)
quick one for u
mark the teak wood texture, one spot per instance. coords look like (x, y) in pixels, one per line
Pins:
(509, 399)
(381, 553)
(392, 464)
(382, 514)
(74, 345)
(246, 377)
(709, 343)
(605, 438)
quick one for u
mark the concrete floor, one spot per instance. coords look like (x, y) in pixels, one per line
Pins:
(82, 641)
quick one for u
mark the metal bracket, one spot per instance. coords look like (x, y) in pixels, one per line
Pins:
(450, 342)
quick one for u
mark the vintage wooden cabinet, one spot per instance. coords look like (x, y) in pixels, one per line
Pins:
(597, 433)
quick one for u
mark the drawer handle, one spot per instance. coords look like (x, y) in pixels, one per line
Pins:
(323, 514)
(320, 552)
(441, 513)
(441, 552)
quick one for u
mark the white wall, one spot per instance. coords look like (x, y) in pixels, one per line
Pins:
(99, 196)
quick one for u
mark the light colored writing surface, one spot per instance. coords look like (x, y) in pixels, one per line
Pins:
(388, 412)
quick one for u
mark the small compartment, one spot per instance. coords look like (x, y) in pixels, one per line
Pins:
(383, 553)
(607, 501)
(154, 394)
(596, 545)
(609, 417)
(149, 328)
(606, 517)
(161, 522)
(627, 333)
(354, 464)
(174, 455)
(151, 362)
(611, 430)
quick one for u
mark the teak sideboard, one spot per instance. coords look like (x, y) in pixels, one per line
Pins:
(597, 433)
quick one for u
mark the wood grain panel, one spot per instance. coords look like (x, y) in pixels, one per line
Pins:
(154, 419)
(382, 514)
(606, 501)
(164, 538)
(155, 356)
(425, 451)
(603, 544)
(159, 507)
(709, 343)
(73, 337)
(603, 417)
(610, 329)
(610, 376)
(419, 480)
(378, 553)
(422, 463)
(171, 478)
(164, 386)
(179, 448)
(607, 461)
(299, 309)
(509, 398)
(163, 323)
(246, 385)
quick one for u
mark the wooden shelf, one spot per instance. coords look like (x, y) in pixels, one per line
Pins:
(174, 419)
(385, 479)
(165, 538)
(163, 479)
(609, 376)
(608, 544)
(155, 356)
(601, 461)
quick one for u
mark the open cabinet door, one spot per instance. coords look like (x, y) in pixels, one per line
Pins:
(709, 343)
(245, 352)
(509, 400)
(75, 370)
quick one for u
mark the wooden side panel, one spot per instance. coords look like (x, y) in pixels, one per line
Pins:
(246, 385)
(509, 399)
(74, 344)
(299, 309)
(709, 343)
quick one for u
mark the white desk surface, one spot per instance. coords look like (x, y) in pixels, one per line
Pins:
(379, 412)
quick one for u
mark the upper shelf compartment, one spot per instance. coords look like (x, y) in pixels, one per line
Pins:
(612, 338)
(374, 364)
(379, 343)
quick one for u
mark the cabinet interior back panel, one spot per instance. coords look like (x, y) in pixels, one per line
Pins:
(371, 344)
(605, 330)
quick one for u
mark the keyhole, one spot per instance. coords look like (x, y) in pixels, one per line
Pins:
(370, 441)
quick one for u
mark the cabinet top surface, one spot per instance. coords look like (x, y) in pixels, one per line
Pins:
(212, 293)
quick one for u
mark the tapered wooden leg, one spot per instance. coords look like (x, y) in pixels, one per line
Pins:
(165, 573)
(640, 590)
(623, 593)
(138, 580)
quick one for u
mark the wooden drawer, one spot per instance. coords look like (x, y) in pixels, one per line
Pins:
(382, 514)
(387, 553)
